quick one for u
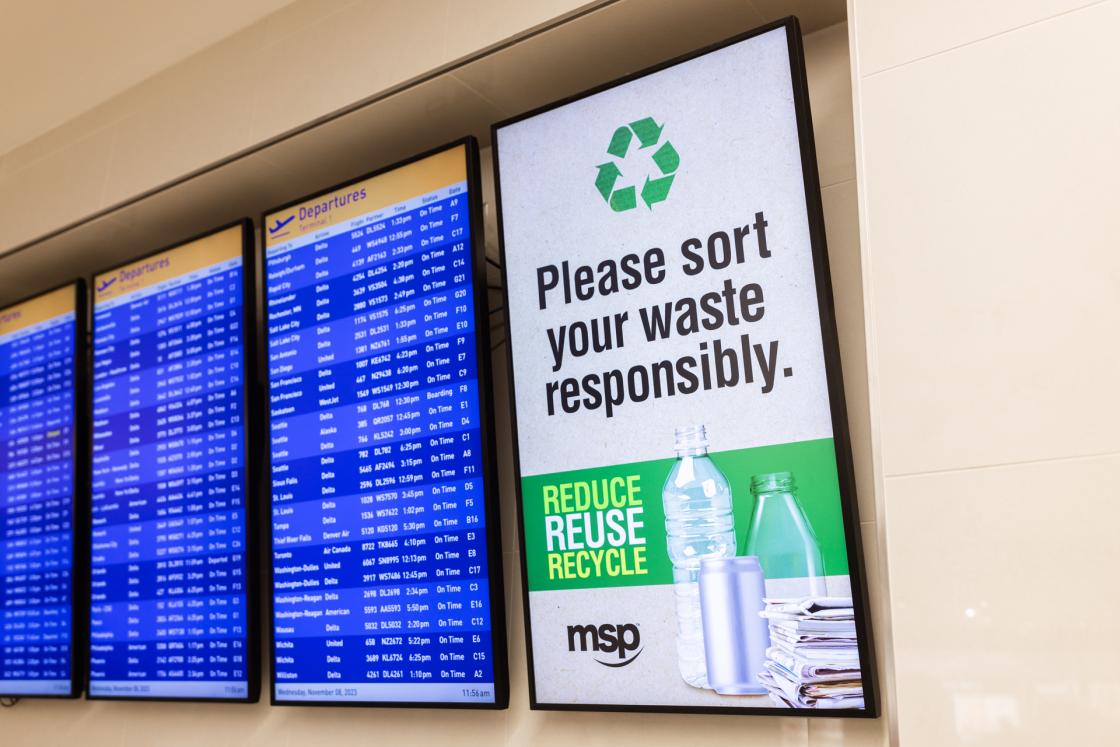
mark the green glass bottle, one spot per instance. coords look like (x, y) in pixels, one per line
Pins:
(782, 538)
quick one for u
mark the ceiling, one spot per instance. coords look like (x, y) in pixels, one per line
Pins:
(60, 57)
(466, 98)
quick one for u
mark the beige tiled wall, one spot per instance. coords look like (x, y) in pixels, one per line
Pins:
(981, 261)
(989, 142)
(131, 144)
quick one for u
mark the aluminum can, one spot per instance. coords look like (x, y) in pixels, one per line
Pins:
(735, 635)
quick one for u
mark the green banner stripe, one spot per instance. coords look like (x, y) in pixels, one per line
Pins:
(616, 514)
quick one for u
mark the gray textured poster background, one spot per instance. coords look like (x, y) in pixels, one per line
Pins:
(730, 116)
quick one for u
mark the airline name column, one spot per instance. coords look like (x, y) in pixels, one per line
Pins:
(378, 517)
(36, 506)
(168, 592)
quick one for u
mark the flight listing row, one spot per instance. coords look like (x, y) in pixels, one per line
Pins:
(319, 404)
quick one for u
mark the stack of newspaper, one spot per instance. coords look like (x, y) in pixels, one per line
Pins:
(812, 661)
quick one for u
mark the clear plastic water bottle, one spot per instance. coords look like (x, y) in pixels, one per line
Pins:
(700, 525)
(782, 537)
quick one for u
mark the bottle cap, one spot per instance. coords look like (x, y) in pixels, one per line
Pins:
(689, 437)
(773, 481)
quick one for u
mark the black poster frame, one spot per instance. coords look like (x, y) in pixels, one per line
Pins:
(834, 376)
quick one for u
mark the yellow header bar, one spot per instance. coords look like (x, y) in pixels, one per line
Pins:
(37, 310)
(209, 250)
(418, 178)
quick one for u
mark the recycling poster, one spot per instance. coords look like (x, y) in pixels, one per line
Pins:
(683, 524)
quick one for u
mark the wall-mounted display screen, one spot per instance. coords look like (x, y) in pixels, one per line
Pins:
(171, 614)
(40, 349)
(386, 569)
(689, 530)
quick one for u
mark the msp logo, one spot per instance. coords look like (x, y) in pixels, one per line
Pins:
(608, 639)
(665, 162)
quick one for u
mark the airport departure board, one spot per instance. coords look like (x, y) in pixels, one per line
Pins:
(40, 342)
(170, 608)
(385, 564)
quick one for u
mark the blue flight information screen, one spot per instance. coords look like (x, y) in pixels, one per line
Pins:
(37, 508)
(169, 609)
(381, 587)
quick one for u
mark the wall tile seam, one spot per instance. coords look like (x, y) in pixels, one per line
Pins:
(11, 173)
(838, 183)
(985, 38)
(884, 637)
(269, 19)
(259, 53)
(757, 11)
(1004, 465)
(505, 112)
(586, 8)
(110, 161)
(445, 35)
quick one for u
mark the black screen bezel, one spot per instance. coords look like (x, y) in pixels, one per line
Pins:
(79, 499)
(251, 445)
(489, 460)
(838, 407)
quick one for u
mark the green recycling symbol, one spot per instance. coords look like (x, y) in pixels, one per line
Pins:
(654, 189)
